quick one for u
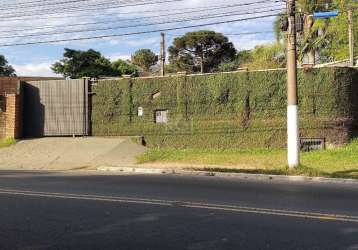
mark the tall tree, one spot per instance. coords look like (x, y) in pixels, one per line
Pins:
(144, 58)
(201, 51)
(77, 64)
(5, 68)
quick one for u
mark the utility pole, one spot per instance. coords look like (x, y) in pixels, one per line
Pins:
(162, 54)
(351, 37)
(292, 103)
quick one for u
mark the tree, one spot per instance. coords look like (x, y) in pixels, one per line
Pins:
(310, 41)
(124, 68)
(170, 68)
(228, 66)
(242, 57)
(268, 56)
(77, 64)
(313, 37)
(279, 35)
(144, 58)
(201, 51)
(337, 34)
(5, 68)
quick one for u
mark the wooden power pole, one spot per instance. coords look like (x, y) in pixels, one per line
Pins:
(292, 103)
(162, 54)
(351, 37)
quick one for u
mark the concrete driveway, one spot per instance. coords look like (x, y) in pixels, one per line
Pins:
(69, 153)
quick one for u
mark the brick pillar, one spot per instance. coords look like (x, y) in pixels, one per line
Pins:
(13, 116)
(2, 125)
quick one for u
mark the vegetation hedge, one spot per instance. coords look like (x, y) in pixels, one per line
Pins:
(227, 110)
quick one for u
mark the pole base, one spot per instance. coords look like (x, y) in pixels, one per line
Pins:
(293, 150)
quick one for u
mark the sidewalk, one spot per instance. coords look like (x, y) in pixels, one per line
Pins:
(69, 153)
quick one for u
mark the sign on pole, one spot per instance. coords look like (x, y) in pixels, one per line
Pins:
(329, 14)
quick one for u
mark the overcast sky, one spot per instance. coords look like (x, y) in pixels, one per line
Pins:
(35, 60)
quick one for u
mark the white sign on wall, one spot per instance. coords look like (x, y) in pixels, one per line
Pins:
(140, 111)
(161, 116)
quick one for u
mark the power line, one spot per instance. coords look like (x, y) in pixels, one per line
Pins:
(47, 16)
(23, 6)
(159, 22)
(192, 10)
(54, 2)
(98, 7)
(45, 9)
(170, 21)
(79, 8)
(32, 2)
(136, 33)
(71, 4)
(229, 34)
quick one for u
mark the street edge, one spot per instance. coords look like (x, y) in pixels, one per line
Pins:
(159, 171)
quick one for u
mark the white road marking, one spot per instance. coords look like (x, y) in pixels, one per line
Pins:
(196, 205)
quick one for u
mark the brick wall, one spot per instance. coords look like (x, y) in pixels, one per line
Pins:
(2, 125)
(9, 85)
(11, 108)
(13, 116)
(11, 99)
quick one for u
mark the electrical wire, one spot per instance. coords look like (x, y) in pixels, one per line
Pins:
(98, 7)
(45, 16)
(190, 10)
(136, 33)
(228, 34)
(24, 6)
(160, 22)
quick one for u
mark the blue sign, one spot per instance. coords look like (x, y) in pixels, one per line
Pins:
(328, 14)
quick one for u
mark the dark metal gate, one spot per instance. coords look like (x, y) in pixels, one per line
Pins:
(56, 108)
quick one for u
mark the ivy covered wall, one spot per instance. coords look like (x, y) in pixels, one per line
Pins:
(227, 110)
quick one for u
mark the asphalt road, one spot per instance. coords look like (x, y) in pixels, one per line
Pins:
(94, 211)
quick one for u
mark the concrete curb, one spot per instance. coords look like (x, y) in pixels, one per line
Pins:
(262, 177)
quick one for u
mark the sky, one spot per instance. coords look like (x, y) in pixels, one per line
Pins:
(26, 21)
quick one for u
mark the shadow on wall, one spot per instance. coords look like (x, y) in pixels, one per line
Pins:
(34, 112)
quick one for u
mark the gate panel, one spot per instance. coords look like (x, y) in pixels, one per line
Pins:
(56, 108)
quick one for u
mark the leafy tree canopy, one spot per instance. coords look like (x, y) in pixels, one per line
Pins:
(201, 51)
(124, 68)
(242, 57)
(144, 58)
(336, 34)
(77, 64)
(268, 56)
(310, 6)
(5, 68)
(323, 39)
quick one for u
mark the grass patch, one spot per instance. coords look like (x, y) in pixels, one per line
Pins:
(337, 163)
(7, 142)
